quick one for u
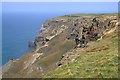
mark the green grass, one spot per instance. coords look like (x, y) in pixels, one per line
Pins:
(93, 64)
(54, 51)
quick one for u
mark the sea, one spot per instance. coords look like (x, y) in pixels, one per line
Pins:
(17, 30)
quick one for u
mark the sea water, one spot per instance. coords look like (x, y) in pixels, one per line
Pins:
(17, 30)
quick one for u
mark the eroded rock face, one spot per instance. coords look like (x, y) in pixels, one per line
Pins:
(78, 29)
(58, 37)
(40, 40)
(91, 27)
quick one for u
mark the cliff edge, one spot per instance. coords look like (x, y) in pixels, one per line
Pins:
(68, 44)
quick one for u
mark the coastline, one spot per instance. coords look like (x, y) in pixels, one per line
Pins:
(57, 39)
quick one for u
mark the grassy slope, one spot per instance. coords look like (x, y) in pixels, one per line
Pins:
(85, 64)
(53, 52)
(100, 60)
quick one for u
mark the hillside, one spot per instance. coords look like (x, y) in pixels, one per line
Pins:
(99, 60)
(71, 46)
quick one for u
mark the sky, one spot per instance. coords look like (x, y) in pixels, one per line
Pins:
(57, 7)
(60, 0)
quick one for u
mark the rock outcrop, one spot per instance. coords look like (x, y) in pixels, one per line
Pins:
(58, 36)
(84, 28)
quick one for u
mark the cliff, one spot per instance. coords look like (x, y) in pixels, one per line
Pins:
(62, 43)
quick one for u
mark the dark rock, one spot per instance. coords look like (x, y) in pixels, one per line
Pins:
(31, 44)
(47, 40)
(59, 64)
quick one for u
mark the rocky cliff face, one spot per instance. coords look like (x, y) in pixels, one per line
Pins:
(57, 37)
(91, 27)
